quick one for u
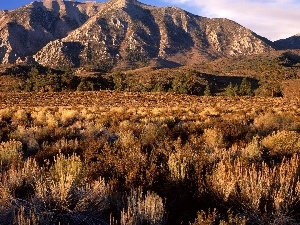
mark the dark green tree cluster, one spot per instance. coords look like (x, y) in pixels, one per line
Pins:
(181, 83)
(50, 81)
(66, 81)
(270, 85)
(187, 83)
(244, 89)
(119, 80)
(130, 82)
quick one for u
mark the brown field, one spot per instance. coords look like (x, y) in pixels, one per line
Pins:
(135, 99)
(148, 158)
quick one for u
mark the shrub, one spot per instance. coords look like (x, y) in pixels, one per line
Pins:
(68, 116)
(213, 217)
(213, 138)
(64, 173)
(268, 122)
(44, 117)
(282, 142)
(10, 153)
(148, 209)
(178, 165)
(253, 150)
(260, 188)
(20, 117)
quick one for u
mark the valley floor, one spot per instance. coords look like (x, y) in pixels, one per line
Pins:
(148, 158)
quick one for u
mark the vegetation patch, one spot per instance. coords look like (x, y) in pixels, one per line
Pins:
(148, 158)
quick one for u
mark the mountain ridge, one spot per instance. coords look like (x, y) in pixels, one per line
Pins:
(132, 32)
(26, 30)
(124, 33)
(292, 42)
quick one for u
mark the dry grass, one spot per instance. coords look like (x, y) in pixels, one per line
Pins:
(137, 158)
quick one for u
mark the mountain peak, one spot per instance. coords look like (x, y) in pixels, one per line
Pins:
(49, 3)
(121, 33)
(122, 3)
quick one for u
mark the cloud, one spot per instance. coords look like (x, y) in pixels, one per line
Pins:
(274, 19)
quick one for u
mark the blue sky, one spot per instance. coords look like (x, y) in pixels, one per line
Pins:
(273, 19)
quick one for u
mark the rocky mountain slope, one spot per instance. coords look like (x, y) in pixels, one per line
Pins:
(126, 33)
(288, 43)
(26, 30)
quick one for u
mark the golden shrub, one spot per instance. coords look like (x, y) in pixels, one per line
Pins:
(253, 150)
(213, 138)
(178, 165)
(10, 153)
(62, 176)
(282, 142)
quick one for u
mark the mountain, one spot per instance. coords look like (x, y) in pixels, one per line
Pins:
(26, 30)
(288, 43)
(124, 33)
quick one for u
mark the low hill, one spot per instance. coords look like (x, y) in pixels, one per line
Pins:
(288, 43)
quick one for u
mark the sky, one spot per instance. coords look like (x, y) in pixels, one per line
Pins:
(273, 19)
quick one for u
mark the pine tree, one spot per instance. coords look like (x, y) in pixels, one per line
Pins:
(68, 79)
(207, 91)
(245, 88)
(231, 90)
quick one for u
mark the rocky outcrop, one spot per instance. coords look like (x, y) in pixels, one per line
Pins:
(127, 33)
(26, 30)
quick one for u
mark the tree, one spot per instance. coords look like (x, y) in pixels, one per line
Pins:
(85, 85)
(270, 85)
(245, 88)
(54, 82)
(68, 79)
(187, 83)
(119, 80)
(207, 91)
(28, 85)
(231, 90)
(34, 81)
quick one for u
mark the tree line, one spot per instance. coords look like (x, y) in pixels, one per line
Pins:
(190, 82)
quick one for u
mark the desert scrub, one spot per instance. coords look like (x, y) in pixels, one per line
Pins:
(253, 150)
(151, 135)
(144, 209)
(20, 117)
(177, 166)
(82, 153)
(68, 116)
(213, 217)
(10, 154)
(44, 117)
(20, 179)
(6, 113)
(128, 140)
(258, 189)
(181, 160)
(213, 138)
(268, 122)
(29, 137)
(282, 142)
(64, 173)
